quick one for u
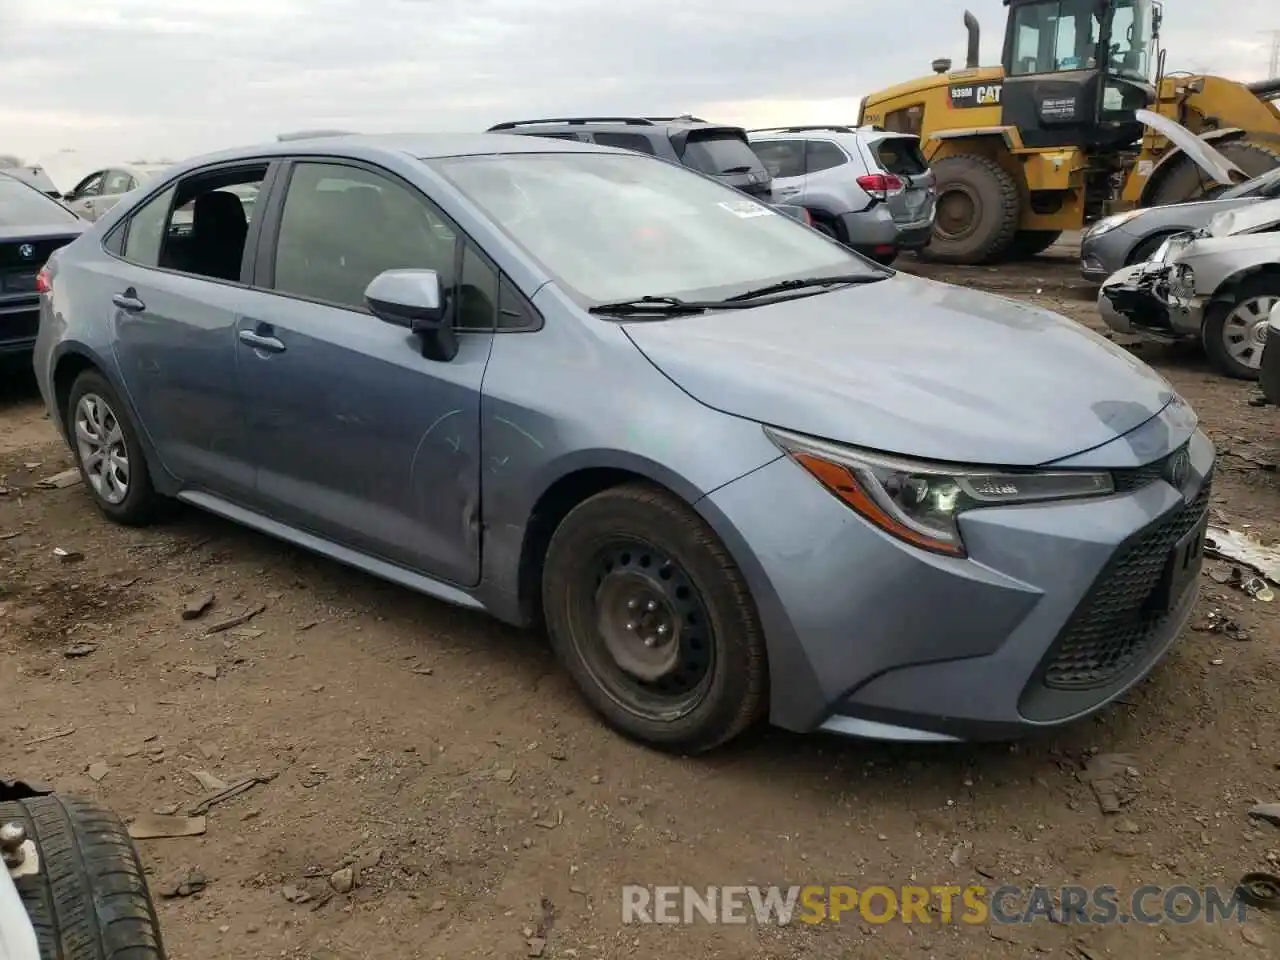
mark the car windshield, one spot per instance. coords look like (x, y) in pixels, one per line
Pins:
(1267, 185)
(613, 227)
(24, 206)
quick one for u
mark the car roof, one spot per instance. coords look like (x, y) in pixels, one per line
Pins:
(419, 146)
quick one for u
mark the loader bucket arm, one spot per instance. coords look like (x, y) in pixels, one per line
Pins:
(1209, 160)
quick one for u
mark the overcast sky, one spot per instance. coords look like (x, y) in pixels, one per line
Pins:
(163, 79)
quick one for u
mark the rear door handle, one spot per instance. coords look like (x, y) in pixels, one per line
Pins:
(261, 341)
(129, 301)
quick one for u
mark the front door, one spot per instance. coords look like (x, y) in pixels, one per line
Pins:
(357, 437)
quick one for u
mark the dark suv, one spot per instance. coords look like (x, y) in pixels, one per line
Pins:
(711, 148)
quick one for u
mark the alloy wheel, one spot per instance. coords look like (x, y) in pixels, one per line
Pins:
(101, 446)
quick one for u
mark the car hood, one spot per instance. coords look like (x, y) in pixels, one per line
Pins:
(1250, 219)
(912, 367)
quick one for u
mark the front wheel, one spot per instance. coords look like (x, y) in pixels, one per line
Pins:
(80, 881)
(654, 621)
(1235, 330)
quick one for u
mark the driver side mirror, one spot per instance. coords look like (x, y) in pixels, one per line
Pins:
(413, 299)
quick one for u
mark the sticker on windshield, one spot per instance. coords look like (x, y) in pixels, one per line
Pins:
(745, 208)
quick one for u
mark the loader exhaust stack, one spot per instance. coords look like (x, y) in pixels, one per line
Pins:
(973, 56)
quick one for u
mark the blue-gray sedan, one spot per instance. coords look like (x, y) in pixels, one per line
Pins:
(734, 469)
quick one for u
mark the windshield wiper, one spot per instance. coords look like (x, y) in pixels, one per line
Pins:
(803, 282)
(658, 305)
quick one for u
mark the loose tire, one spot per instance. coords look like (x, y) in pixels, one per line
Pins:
(108, 452)
(634, 564)
(1186, 181)
(1235, 329)
(1031, 243)
(89, 900)
(978, 211)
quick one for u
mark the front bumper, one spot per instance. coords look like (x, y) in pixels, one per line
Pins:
(1140, 299)
(1049, 620)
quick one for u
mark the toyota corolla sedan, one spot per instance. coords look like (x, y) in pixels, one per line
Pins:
(581, 388)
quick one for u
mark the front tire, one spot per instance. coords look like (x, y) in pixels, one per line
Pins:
(1235, 330)
(654, 621)
(108, 451)
(977, 214)
(89, 898)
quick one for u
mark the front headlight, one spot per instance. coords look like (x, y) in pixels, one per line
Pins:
(921, 502)
(1107, 224)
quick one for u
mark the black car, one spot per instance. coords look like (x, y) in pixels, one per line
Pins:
(1269, 374)
(32, 227)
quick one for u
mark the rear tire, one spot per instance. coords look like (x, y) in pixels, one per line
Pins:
(1187, 182)
(1235, 330)
(1031, 243)
(977, 214)
(140, 503)
(89, 900)
(654, 621)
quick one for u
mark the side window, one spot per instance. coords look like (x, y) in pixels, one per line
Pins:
(823, 155)
(477, 293)
(782, 158)
(90, 186)
(342, 226)
(146, 230)
(626, 141)
(515, 312)
(117, 182)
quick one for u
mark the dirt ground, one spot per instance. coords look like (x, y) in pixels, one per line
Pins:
(484, 812)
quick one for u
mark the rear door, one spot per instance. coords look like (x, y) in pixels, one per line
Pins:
(784, 159)
(899, 155)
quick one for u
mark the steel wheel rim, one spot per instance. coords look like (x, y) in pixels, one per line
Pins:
(100, 443)
(1244, 332)
(953, 202)
(637, 593)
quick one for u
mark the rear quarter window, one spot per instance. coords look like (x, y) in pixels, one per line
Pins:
(900, 155)
(720, 153)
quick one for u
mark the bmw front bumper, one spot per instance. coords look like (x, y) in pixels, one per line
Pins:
(1059, 609)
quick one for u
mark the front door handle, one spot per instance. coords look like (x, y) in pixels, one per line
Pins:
(129, 301)
(261, 342)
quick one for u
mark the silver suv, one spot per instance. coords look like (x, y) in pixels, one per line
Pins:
(871, 189)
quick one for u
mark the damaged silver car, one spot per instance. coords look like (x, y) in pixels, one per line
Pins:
(1217, 284)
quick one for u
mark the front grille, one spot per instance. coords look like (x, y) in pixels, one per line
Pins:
(1114, 624)
(1135, 478)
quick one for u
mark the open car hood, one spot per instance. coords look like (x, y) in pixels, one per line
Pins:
(1253, 218)
(1208, 159)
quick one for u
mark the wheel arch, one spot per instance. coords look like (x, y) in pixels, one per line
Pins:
(1170, 162)
(1225, 290)
(72, 358)
(575, 480)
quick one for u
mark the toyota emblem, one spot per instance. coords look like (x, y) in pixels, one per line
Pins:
(1178, 470)
(26, 251)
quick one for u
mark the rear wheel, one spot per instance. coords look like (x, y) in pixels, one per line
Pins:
(1235, 330)
(654, 621)
(977, 213)
(86, 896)
(1186, 181)
(109, 451)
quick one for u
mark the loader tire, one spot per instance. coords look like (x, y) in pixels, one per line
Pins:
(1031, 243)
(978, 211)
(89, 899)
(1187, 182)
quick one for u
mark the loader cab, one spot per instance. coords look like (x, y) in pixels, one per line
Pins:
(1075, 71)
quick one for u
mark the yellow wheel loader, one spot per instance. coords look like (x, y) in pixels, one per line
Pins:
(1071, 126)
